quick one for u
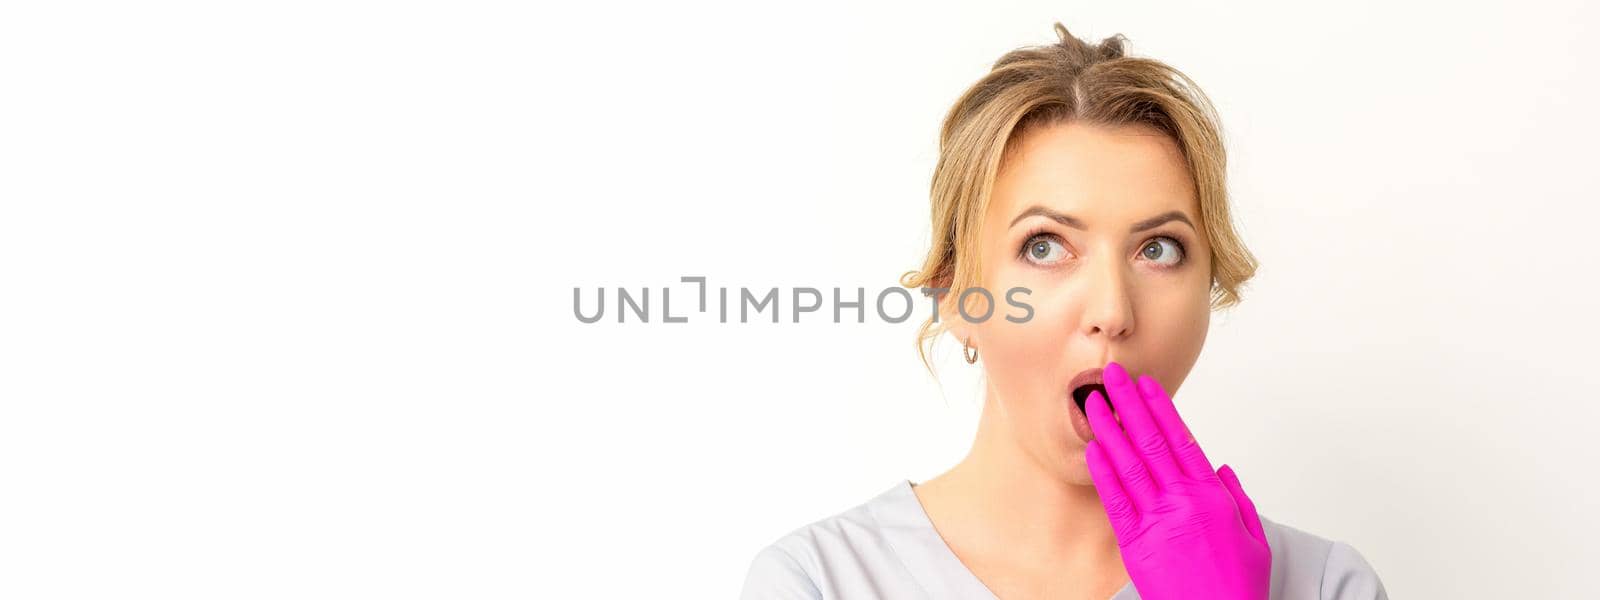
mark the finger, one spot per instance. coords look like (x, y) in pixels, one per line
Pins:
(1247, 509)
(1123, 514)
(1136, 480)
(1143, 432)
(1184, 447)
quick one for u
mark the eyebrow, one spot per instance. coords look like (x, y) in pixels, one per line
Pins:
(1076, 223)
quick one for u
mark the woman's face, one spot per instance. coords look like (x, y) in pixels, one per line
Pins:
(1061, 222)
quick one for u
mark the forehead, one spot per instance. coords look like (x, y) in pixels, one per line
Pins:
(1114, 174)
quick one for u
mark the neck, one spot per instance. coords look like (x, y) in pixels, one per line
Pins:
(1001, 496)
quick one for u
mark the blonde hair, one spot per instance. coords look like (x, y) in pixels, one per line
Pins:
(1069, 80)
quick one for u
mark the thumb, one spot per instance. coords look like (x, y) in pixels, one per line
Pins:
(1247, 509)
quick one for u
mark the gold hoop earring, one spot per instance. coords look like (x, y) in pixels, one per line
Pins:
(972, 358)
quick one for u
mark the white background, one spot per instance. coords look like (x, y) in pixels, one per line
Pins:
(286, 288)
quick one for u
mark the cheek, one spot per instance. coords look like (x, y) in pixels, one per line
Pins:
(1174, 329)
(1022, 360)
(1035, 344)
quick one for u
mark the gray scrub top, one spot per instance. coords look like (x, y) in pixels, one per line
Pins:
(888, 548)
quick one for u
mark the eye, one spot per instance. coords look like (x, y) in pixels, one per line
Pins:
(1043, 249)
(1169, 254)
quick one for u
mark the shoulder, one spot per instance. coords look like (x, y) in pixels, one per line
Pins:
(826, 558)
(1306, 565)
(776, 573)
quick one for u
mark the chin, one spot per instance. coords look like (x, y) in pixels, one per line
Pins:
(1071, 466)
(1077, 473)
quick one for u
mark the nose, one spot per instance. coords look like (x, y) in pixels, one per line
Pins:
(1107, 303)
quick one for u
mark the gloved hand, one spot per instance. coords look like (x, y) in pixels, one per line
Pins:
(1184, 530)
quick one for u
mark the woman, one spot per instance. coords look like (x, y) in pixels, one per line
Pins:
(1096, 182)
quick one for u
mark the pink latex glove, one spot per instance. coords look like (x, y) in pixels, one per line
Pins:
(1184, 530)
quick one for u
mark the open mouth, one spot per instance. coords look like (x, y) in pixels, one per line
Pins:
(1080, 395)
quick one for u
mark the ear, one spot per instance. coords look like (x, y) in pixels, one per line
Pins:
(954, 323)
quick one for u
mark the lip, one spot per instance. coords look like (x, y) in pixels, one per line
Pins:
(1080, 421)
(1085, 377)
